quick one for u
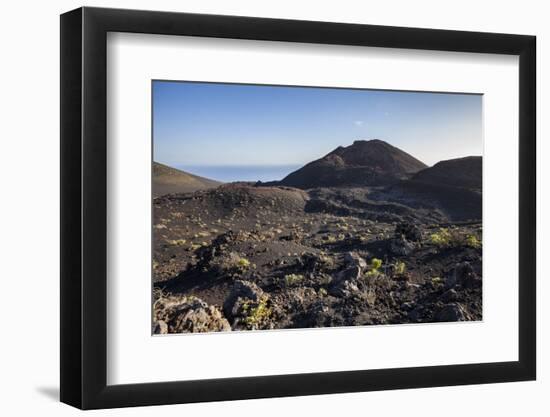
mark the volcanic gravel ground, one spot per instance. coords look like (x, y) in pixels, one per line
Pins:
(240, 257)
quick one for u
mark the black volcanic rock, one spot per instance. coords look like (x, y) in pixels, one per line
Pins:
(372, 162)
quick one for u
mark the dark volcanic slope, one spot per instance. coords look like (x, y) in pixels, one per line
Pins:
(372, 162)
(167, 180)
(453, 186)
(461, 172)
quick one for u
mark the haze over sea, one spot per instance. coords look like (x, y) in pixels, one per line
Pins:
(230, 173)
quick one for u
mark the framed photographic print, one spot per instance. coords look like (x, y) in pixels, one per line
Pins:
(258, 207)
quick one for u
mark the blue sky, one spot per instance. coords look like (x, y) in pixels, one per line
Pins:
(207, 124)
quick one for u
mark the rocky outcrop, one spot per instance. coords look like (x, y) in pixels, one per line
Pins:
(187, 314)
(347, 282)
(463, 274)
(452, 312)
(248, 307)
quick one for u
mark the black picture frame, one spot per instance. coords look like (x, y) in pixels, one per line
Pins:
(84, 207)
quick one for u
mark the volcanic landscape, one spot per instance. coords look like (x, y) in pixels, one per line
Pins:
(365, 235)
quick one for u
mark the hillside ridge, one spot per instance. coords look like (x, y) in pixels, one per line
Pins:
(364, 162)
(168, 180)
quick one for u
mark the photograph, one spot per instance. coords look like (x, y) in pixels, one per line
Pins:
(273, 205)
(289, 207)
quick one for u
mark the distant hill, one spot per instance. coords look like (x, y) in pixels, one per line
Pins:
(365, 162)
(461, 172)
(454, 186)
(168, 180)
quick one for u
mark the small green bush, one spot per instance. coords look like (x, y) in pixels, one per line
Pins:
(442, 238)
(376, 263)
(400, 267)
(256, 313)
(446, 238)
(243, 263)
(472, 241)
(374, 271)
(292, 279)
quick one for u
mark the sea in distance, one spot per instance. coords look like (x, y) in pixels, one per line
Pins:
(240, 173)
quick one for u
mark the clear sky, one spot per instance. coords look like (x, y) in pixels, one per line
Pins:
(207, 124)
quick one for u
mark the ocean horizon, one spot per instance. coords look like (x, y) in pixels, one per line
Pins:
(232, 173)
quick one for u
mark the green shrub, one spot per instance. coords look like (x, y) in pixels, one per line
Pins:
(243, 263)
(376, 263)
(442, 238)
(256, 313)
(472, 241)
(374, 271)
(292, 279)
(400, 267)
(446, 238)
